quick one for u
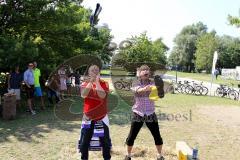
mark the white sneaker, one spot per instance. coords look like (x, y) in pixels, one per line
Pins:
(33, 112)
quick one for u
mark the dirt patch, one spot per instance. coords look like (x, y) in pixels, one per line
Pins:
(228, 116)
(220, 131)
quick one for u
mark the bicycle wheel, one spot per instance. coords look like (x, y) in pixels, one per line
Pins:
(238, 93)
(204, 90)
(189, 89)
(178, 88)
(128, 87)
(183, 88)
(232, 94)
(118, 85)
(220, 92)
(198, 90)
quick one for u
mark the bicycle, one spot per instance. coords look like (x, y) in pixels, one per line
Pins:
(193, 89)
(204, 89)
(226, 91)
(184, 86)
(178, 87)
(238, 92)
(121, 84)
(174, 87)
(234, 94)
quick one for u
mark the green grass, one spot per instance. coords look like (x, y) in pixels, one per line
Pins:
(105, 72)
(181, 100)
(203, 77)
(114, 72)
(45, 136)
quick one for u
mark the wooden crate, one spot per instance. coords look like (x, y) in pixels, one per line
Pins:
(9, 106)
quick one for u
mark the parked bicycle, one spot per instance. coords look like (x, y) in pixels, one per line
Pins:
(185, 84)
(204, 89)
(121, 84)
(186, 87)
(193, 89)
(234, 94)
(226, 91)
(238, 93)
(174, 87)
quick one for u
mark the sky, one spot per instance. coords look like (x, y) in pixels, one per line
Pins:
(164, 18)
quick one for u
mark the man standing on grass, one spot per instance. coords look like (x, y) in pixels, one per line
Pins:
(14, 84)
(144, 112)
(29, 81)
(37, 86)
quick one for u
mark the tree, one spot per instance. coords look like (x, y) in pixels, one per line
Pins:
(233, 20)
(232, 49)
(183, 53)
(206, 46)
(229, 52)
(49, 31)
(142, 50)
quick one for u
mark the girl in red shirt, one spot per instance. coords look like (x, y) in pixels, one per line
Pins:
(94, 91)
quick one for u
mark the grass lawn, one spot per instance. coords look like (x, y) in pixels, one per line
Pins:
(203, 77)
(45, 136)
(105, 72)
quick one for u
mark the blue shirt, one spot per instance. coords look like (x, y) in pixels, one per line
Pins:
(29, 77)
(15, 80)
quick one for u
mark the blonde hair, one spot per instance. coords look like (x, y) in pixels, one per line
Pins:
(144, 67)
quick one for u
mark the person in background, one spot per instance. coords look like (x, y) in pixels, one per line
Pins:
(143, 112)
(29, 81)
(62, 77)
(69, 84)
(37, 86)
(77, 82)
(14, 84)
(53, 88)
(216, 73)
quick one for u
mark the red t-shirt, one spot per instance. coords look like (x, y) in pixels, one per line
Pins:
(95, 107)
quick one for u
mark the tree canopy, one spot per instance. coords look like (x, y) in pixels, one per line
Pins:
(233, 20)
(206, 46)
(195, 46)
(183, 53)
(48, 31)
(142, 50)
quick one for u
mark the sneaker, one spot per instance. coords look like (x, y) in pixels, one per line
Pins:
(33, 112)
(161, 158)
(127, 158)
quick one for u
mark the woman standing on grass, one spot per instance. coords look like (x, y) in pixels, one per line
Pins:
(144, 111)
(95, 92)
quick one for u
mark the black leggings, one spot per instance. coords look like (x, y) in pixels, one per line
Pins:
(137, 123)
(84, 142)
